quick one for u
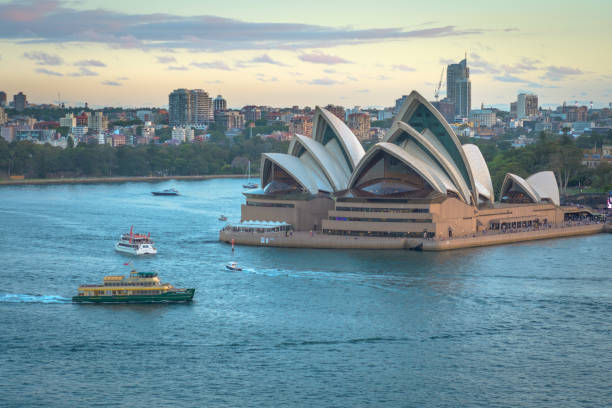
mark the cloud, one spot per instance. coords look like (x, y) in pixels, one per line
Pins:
(177, 68)
(526, 64)
(165, 59)
(60, 22)
(480, 65)
(89, 63)
(323, 81)
(320, 58)
(296, 73)
(212, 65)
(123, 78)
(111, 83)
(49, 21)
(263, 78)
(403, 67)
(554, 73)
(446, 61)
(266, 59)
(508, 78)
(42, 58)
(362, 90)
(48, 72)
(510, 29)
(383, 78)
(83, 72)
(330, 71)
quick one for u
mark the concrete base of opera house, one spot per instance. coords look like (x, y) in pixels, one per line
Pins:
(302, 239)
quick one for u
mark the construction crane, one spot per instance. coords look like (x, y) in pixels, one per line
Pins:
(437, 91)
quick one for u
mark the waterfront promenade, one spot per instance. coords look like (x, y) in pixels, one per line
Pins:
(306, 239)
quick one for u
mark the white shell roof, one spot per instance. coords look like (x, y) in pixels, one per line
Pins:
(337, 175)
(429, 141)
(350, 143)
(522, 183)
(545, 184)
(406, 111)
(416, 159)
(302, 173)
(480, 170)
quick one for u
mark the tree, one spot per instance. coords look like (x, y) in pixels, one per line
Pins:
(565, 162)
(70, 142)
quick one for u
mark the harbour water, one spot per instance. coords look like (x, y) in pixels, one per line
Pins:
(524, 325)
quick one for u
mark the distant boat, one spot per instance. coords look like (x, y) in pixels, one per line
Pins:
(166, 192)
(222, 218)
(249, 184)
(233, 266)
(136, 244)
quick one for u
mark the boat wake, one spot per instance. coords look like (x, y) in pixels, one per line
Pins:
(20, 298)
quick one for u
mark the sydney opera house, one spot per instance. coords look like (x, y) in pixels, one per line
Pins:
(419, 184)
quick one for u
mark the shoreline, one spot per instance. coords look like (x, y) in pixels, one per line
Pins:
(98, 180)
(303, 239)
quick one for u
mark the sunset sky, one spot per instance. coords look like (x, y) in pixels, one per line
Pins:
(282, 53)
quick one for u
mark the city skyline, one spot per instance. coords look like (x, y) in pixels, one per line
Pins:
(346, 53)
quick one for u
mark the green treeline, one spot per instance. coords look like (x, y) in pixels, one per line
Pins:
(560, 153)
(84, 160)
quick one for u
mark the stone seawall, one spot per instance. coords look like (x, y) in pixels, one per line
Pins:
(306, 240)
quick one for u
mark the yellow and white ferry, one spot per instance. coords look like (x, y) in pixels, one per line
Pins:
(138, 287)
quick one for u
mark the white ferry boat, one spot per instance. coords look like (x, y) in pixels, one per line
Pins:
(136, 244)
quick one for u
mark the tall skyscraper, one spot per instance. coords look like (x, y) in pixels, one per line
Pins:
(459, 87)
(20, 101)
(179, 107)
(2, 99)
(98, 122)
(219, 104)
(201, 107)
(190, 107)
(526, 105)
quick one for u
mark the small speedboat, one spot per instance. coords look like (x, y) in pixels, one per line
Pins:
(166, 192)
(250, 185)
(233, 266)
(222, 218)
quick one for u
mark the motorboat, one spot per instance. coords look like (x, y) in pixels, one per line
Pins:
(222, 218)
(233, 266)
(166, 192)
(136, 244)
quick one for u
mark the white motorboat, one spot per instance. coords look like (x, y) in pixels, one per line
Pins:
(233, 266)
(136, 244)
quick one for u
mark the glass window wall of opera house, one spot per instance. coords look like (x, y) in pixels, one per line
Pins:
(328, 183)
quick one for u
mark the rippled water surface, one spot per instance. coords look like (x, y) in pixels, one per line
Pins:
(520, 325)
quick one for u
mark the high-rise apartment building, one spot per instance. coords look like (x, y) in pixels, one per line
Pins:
(526, 106)
(190, 107)
(398, 103)
(3, 116)
(98, 122)
(20, 102)
(446, 108)
(201, 107)
(338, 111)
(68, 121)
(229, 120)
(459, 88)
(359, 123)
(483, 118)
(251, 113)
(2, 99)
(301, 125)
(219, 104)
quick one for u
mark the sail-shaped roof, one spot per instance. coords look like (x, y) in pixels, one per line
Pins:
(514, 183)
(337, 138)
(417, 112)
(305, 173)
(545, 184)
(480, 170)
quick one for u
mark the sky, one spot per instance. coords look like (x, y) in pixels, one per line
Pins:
(281, 53)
